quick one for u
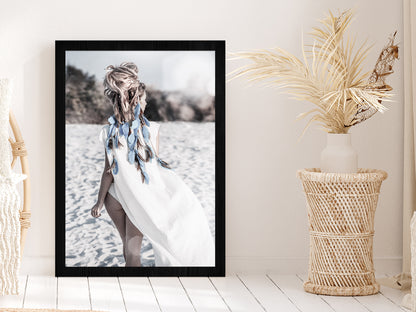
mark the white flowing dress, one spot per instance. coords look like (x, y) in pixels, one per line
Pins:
(166, 210)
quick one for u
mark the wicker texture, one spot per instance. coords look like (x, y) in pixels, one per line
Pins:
(9, 201)
(19, 152)
(341, 210)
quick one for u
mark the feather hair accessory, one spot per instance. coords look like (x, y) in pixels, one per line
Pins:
(137, 132)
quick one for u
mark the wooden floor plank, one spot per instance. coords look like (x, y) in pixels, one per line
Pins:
(40, 292)
(344, 304)
(106, 294)
(170, 294)
(267, 293)
(378, 303)
(203, 294)
(292, 286)
(15, 301)
(339, 303)
(394, 295)
(235, 294)
(138, 294)
(73, 293)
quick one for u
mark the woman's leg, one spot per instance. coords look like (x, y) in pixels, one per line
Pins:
(133, 244)
(117, 214)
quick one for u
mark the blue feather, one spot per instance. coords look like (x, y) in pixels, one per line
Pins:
(126, 130)
(143, 170)
(115, 169)
(146, 177)
(135, 124)
(147, 122)
(131, 139)
(110, 131)
(107, 147)
(116, 141)
(146, 133)
(112, 120)
(137, 111)
(141, 164)
(131, 157)
(163, 163)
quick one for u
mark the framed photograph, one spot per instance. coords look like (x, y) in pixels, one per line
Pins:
(140, 158)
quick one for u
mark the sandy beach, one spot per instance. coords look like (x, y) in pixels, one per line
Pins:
(187, 146)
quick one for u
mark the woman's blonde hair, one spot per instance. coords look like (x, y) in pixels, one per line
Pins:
(124, 90)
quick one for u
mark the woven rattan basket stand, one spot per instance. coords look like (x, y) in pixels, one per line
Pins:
(341, 209)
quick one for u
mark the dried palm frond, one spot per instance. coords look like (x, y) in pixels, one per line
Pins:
(377, 79)
(330, 75)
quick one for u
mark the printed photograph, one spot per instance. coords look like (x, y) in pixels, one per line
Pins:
(140, 158)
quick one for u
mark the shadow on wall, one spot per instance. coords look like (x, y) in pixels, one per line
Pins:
(85, 102)
(37, 86)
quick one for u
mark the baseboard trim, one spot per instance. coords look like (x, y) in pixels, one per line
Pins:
(37, 265)
(45, 265)
(235, 265)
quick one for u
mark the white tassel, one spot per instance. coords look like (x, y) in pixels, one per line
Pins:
(9, 203)
(9, 238)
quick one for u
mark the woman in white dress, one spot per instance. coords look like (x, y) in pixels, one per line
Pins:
(142, 195)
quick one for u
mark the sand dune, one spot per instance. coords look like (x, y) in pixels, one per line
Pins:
(188, 147)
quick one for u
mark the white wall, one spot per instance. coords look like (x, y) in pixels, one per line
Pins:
(266, 214)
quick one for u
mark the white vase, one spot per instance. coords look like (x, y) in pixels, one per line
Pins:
(339, 156)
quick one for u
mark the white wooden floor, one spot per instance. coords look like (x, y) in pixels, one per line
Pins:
(251, 293)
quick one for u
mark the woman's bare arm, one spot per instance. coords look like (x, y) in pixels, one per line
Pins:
(106, 180)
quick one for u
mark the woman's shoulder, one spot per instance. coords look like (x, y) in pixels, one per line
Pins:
(154, 125)
(103, 133)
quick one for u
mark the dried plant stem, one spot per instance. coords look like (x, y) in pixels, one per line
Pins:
(330, 75)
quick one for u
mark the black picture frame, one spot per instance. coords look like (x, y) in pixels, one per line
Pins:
(61, 47)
